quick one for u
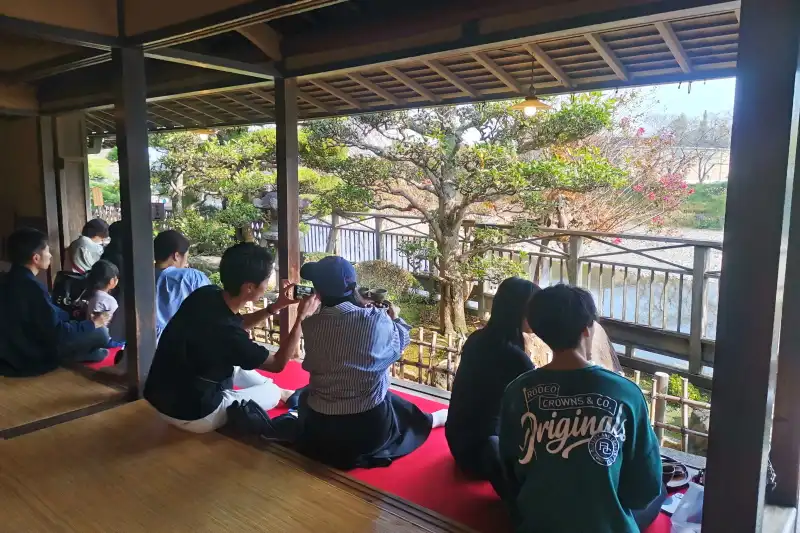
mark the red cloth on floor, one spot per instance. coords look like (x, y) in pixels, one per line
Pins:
(108, 361)
(428, 477)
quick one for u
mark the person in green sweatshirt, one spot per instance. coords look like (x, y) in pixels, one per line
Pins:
(575, 439)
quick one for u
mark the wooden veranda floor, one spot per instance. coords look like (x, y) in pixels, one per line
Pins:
(126, 470)
(29, 403)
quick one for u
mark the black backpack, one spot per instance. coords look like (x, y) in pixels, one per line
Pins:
(70, 292)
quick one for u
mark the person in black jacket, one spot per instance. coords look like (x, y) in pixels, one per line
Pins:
(36, 335)
(491, 359)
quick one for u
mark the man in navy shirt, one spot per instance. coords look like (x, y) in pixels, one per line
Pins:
(36, 335)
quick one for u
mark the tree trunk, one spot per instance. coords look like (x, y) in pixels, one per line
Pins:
(177, 195)
(452, 315)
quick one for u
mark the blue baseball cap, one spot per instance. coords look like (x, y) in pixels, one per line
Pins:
(332, 276)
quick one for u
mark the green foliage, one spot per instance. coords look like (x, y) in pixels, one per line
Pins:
(100, 176)
(385, 275)
(578, 170)
(695, 393)
(113, 155)
(705, 209)
(215, 279)
(238, 214)
(208, 236)
(489, 268)
(311, 257)
(417, 251)
(110, 191)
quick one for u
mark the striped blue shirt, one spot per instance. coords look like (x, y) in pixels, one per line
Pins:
(349, 350)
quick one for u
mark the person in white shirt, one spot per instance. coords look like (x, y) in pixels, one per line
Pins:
(101, 280)
(87, 249)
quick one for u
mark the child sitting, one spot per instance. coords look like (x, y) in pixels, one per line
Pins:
(575, 438)
(101, 280)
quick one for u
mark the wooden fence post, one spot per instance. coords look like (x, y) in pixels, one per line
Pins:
(378, 243)
(573, 261)
(660, 387)
(699, 315)
(332, 246)
(684, 415)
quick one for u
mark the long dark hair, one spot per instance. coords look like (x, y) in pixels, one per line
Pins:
(509, 307)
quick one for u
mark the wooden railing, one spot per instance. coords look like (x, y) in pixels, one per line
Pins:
(657, 296)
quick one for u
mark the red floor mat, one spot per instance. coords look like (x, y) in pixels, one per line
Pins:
(108, 361)
(429, 478)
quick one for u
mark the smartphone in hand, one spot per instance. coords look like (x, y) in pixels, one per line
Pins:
(302, 291)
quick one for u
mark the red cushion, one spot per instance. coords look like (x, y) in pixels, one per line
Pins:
(429, 477)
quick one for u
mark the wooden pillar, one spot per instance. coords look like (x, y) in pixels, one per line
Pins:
(288, 190)
(763, 155)
(50, 193)
(134, 180)
(785, 452)
(72, 174)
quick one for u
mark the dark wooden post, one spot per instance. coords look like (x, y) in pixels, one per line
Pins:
(134, 180)
(288, 190)
(763, 154)
(50, 191)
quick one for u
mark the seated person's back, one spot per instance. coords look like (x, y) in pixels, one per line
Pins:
(87, 249)
(205, 351)
(491, 359)
(575, 437)
(174, 279)
(36, 335)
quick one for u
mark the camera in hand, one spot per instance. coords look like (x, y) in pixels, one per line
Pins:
(376, 296)
(302, 291)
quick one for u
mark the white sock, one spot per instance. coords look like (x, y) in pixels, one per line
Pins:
(285, 393)
(439, 418)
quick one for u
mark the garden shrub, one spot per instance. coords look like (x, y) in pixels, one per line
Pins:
(208, 236)
(385, 275)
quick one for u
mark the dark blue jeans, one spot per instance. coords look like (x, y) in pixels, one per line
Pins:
(85, 347)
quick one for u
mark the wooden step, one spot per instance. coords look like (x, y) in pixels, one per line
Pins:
(27, 404)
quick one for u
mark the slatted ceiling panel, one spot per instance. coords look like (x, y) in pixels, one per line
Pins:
(710, 43)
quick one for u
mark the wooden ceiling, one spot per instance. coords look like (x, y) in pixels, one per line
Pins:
(659, 51)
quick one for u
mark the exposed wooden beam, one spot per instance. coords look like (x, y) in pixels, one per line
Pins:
(374, 87)
(674, 45)
(153, 121)
(244, 15)
(58, 34)
(95, 124)
(251, 106)
(265, 71)
(496, 70)
(222, 107)
(263, 95)
(738, 13)
(18, 98)
(105, 123)
(411, 84)
(445, 72)
(341, 95)
(301, 94)
(549, 65)
(174, 123)
(265, 39)
(59, 65)
(608, 55)
(174, 112)
(196, 110)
